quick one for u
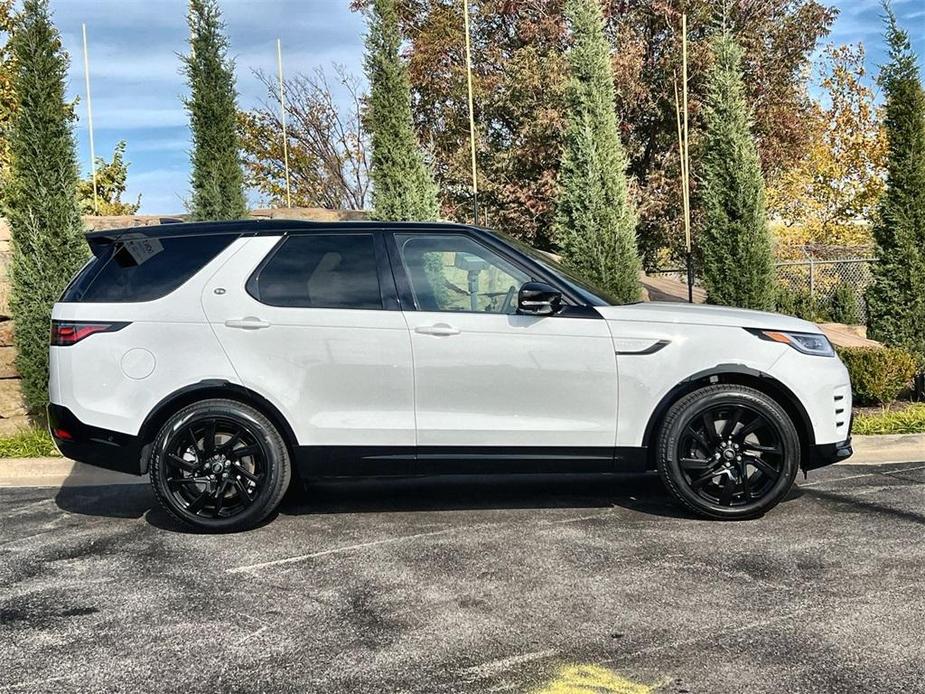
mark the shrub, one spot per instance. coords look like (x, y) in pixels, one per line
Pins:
(910, 420)
(799, 303)
(844, 307)
(878, 375)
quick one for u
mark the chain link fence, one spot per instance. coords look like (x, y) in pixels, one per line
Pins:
(819, 283)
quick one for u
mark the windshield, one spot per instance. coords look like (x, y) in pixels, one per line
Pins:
(587, 290)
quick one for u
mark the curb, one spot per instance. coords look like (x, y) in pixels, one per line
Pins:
(61, 472)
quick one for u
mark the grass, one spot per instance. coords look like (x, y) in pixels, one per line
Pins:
(29, 443)
(909, 420)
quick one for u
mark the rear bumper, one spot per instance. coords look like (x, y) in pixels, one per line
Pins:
(828, 453)
(112, 450)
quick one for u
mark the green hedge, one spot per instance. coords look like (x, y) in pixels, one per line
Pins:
(878, 375)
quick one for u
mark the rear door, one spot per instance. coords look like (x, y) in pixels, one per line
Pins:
(311, 321)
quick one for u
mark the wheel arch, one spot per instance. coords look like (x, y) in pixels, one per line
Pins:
(737, 374)
(204, 390)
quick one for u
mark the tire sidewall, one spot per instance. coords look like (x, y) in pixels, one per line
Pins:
(274, 449)
(691, 406)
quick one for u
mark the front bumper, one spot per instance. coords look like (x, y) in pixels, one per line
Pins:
(828, 453)
(112, 450)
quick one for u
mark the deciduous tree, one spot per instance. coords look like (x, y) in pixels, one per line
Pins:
(328, 146)
(110, 186)
(830, 194)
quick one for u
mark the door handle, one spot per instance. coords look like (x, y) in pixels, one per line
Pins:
(248, 323)
(440, 330)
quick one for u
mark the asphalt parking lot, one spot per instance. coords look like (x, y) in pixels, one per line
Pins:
(559, 584)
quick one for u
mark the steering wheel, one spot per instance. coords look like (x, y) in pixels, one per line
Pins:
(509, 300)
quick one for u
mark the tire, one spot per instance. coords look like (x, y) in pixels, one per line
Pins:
(230, 484)
(753, 452)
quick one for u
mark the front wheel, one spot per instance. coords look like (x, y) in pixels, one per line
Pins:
(219, 466)
(728, 452)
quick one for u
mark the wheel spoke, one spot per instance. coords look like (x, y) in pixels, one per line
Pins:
(243, 493)
(194, 441)
(179, 481)
(229, 444)
(709, 425)
(732, 422)
(247, 473)
(761, 448)
(704, 478)
(243, 452)
(177, 461)
(750, 428)
(746, 489)
(219, 498)
(697, 463)
(772, 472)
(208, 438)
(725, 498)
(198, 503)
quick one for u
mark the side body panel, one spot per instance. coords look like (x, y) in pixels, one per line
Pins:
(821, 384)
(113, 380)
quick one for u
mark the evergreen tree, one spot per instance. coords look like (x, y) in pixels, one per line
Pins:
(217, 176)
(734, 243)
(403, 184)
(896, 300)
(40, 200)
(595, 220)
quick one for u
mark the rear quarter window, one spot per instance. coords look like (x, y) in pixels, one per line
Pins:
(138, 267)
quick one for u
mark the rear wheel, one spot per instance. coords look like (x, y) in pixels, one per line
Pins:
(728, 451)
(219, 466)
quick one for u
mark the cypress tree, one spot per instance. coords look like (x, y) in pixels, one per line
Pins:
(595, 219)
(217, 177)
(403, 184)
(896, 300)
(734, 243)
(40, 200)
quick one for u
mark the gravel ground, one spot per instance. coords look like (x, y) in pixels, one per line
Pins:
(470, 585)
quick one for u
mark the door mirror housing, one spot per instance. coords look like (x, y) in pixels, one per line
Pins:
(538, 299)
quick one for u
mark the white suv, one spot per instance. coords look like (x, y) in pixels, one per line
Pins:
(223, 358)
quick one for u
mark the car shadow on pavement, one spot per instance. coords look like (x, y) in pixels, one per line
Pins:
(643, 494)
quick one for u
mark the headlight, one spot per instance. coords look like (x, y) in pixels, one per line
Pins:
(816, 344)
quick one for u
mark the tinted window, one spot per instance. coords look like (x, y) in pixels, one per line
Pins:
(320, 271)
(138, 267)
(454, 273)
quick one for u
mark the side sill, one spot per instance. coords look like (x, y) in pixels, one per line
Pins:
(401, 461)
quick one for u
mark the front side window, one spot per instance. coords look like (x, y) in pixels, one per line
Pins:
(450, 272)
(320, 271)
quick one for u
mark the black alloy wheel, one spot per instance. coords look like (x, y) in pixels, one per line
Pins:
(728, 451)
(219, 465)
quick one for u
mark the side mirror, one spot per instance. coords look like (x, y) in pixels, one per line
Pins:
(538, 299)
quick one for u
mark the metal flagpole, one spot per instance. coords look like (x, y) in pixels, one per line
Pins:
(687, 167)
(282, 114)
(96, 204)
(475, 185)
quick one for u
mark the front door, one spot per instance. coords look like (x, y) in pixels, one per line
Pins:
(493, 389)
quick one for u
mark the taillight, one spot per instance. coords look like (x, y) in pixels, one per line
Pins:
(65, 333)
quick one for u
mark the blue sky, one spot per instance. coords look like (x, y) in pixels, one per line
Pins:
(136, 84)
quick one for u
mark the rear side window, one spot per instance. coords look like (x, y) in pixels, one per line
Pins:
(320, 271)
(137, 267)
